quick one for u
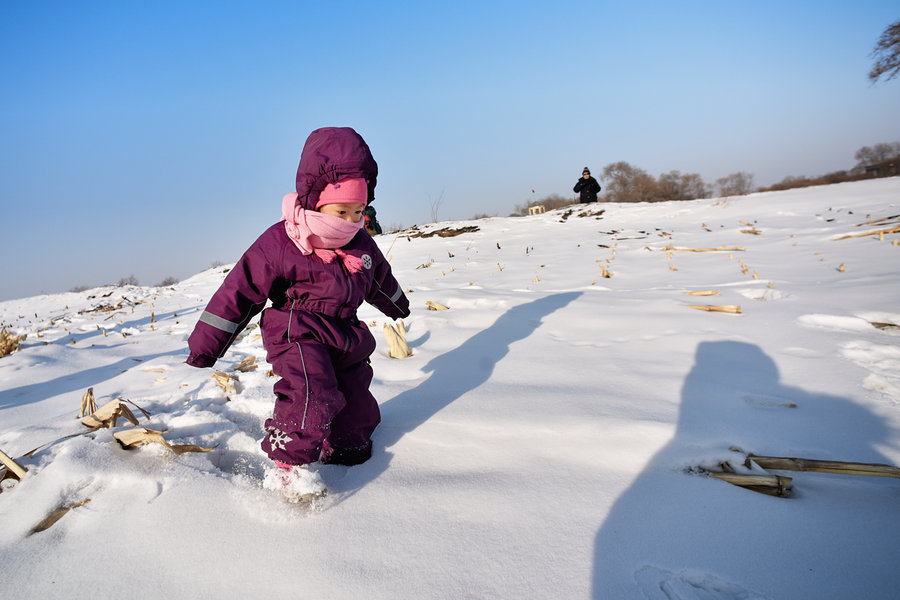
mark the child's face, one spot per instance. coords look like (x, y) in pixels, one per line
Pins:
(349, 212)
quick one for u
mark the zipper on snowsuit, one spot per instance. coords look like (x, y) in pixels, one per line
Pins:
(302, 363)
(346, 272)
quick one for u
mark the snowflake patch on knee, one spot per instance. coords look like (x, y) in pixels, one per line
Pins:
(277, 438)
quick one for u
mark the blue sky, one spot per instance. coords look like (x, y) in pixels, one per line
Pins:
(152, 139)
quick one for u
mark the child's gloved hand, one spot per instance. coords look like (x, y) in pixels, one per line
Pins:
(200, 360)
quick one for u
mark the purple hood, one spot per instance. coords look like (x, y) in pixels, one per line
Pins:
(330, 155)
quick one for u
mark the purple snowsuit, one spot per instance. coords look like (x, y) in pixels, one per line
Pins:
(313, 338)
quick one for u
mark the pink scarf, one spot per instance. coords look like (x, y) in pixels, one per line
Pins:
(315, 232)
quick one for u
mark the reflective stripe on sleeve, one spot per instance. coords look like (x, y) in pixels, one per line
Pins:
(218, 322)
(397, 294)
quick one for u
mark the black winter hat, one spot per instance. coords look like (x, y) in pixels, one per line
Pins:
(586, 170)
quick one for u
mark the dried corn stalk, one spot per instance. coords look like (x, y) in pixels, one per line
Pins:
(876, 232)
(773, 485)
(726, 308)
(824, 466)
(108, 414)
(88, 406)
(704, 293)
(226, 382)
(671, 248)
(435, 306)
(9, 343)
(396, 339)
(140, 436)
(56, 515)
(13, 467)
(248, 364)
(876, 221)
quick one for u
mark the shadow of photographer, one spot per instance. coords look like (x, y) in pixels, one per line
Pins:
(675, 535)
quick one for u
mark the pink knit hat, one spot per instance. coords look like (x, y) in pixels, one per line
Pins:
(347, 191)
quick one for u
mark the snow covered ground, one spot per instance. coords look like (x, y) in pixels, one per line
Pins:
(546, 439)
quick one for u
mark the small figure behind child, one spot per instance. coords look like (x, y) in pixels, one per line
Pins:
(316, 266)
(587, 187)
(372, 224)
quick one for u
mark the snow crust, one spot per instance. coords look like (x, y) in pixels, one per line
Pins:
(547, 439)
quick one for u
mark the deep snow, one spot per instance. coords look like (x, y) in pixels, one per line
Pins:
(534, 446)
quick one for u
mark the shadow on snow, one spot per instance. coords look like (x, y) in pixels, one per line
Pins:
(674, 535)
(453, 374)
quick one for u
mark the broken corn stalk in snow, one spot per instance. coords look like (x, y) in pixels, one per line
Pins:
(773, 485)
(140, 436)
(887, 230)
(671, 248)
(777, 485)
(248, 364)
(824, 466)
(12, 466)
(226, 382)
(88, 405)
(56, 515)
(396, 339)
(725, 308)
(108, 415)
(9, 343)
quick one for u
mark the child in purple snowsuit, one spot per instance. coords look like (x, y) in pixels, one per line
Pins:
(316, 266)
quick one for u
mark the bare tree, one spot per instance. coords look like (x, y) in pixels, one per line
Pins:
(868, 156)
(130, 280)
(694, 186)
(625, 183)
(887, 54)
(736, 184)
(435, 205)
(675, 186)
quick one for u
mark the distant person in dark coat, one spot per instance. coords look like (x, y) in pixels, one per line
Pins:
(587, 186)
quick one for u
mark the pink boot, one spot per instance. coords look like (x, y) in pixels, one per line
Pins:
(297, 483)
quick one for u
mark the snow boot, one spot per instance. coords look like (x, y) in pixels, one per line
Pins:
(298, 484)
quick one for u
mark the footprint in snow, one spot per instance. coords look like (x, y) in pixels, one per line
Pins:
(658, 584)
